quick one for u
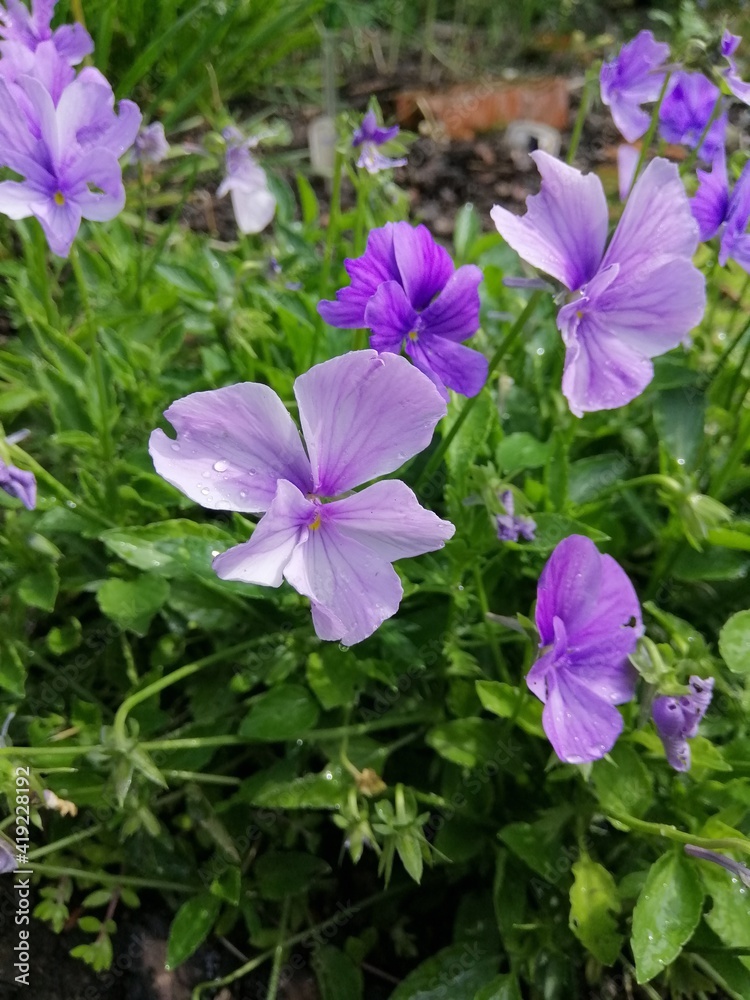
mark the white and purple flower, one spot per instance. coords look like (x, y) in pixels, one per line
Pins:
(253, 202)
(370, 137)
(362, 416)
(630, 302)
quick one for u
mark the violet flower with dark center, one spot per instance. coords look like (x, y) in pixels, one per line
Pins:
(630, 302)
(370, 136)
(509, 527)
(362, 415)
(740, 89)
(19, 484)
(677, 719)
(67, 153)
(634, 78)
(722, 214)
(406, 291)
(150, 144)
(685, 113)
(30, 28)
(589, 620)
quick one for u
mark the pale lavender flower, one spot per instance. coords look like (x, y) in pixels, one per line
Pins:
(685, 113)
(30, 28)
(677, 719)
(631, 302)
(509, 527)
(406, 290)
(589, 620)
(362, 415)
(67, 152)
(722, 214)
(19, 484)
(150, 144)
(371, 136)
(634, 78)
(253, 202)
(734, 81)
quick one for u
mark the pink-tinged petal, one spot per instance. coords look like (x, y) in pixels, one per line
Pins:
(449, 364)
(565, 226)
(233, 446)
(601, 372)
(710, 203)
(263, 559)
(455, 312)
(60, 224)
(390, 316)
(367, 273)
(352, 590)
(627, 164)
(580, 726)
(423, 264)
(73, 43)
(363, 415)
(17, 200)
(568, 588)
(388, 519)
(656, 221)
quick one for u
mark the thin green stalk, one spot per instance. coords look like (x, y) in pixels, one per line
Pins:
(61, 491)
(141, 233)
(708, 970)
(200, 777)
(736, 453)
(500, 664)
(649, 136)
(724, 357)
(497, 357)
(104, 878)
(278, 954)
(592, 77)
(59, 845)
(40, 262)
(362, 728)
(678, 836)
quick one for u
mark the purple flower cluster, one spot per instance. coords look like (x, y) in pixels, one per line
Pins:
(406, 291)
(59, 130)
(368, 138)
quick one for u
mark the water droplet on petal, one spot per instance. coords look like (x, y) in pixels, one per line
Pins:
(221, 466)
(175, 447)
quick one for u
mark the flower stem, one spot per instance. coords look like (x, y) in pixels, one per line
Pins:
(689, 162)
(583, 110)
(672, 833)
(497, 357)
(649, 137)
(104, 878)
(278, 954)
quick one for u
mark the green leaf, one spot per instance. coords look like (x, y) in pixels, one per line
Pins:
(666, 914)
(12, 670)
(312, 791)
(280, 714)
(332, 676)
(410, 852)
(535, 845)
(227, 885)
(177, 548)
(623, 783)
(456, 972)
(338, 977)
(190, 928)
(593, 900)
(734, 643)
(679, 416)
(522, 451)
(288, 873)
(133, 603)
(39, 589)
(468, 742)
(501, 988)
(512, 703)
(552, 528)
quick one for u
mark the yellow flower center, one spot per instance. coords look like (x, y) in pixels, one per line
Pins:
(413, 335)
(59, 198)
(316, 523)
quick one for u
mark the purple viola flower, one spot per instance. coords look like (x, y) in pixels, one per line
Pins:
(630, 303)
(677, 719)
(253, 202)
(685, 113)
(589, 618)
(30, 28)
(634, 78)
(63, 151)
(150, 144)
(509, 527)
(406, 290)
(734, 81)
(370, 136)
(18, 484)
(362, 415)
(722, 214)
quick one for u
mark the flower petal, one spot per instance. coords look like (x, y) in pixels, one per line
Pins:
(60, 224)
(263, 559)
(17, 200)
(423, 264)
(568, 587)
(565, 226)
(449, 364)
(388, 519)
(390, 316)
(580, 726)
(710, 203)
(363, 415)
(73, 43)
(454, 314)
(233, 445)
(734, 238)
(376, 265)
(352, 589)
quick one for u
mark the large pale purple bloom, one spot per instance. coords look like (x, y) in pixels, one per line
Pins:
(724, 214)
(362, 415)
(740, 89)
(66, 151)
(631, 302)
(677, 719)
(685, 113)
(30, 28)
(370, 137)
(634, 78)
(406, 290)
(589, 618)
